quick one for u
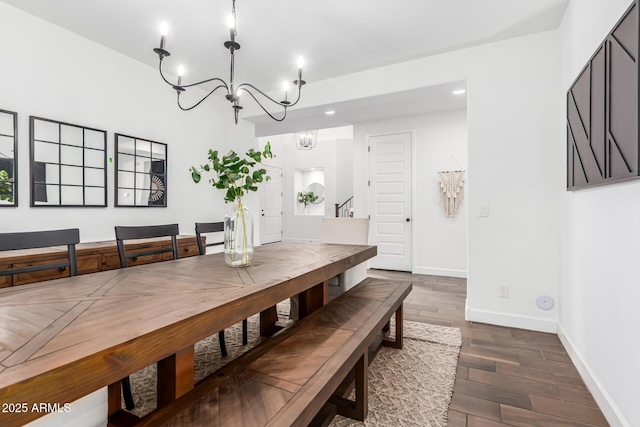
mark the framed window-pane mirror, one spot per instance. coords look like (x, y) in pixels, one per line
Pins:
(141, 172)
(8, 158)
(68, 164)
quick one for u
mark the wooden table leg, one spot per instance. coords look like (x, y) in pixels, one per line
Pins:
(114, 398)
(175, 376)
(118, 417)
(268, 319)
(313, 298)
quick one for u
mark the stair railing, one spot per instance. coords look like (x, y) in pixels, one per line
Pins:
(342, 210)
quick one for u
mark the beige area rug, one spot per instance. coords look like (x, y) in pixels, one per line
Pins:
(408, 387)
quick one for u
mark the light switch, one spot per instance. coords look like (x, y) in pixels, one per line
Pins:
(484, 210)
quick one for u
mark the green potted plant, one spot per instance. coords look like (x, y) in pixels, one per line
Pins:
(236, 176)
(6, 187)
(306, 197)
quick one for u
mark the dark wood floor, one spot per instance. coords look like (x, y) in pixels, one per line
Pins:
(506, 376)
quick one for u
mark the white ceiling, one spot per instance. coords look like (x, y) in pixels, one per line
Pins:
(336, 37)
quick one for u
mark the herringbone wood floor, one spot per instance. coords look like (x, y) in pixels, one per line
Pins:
(506, 376)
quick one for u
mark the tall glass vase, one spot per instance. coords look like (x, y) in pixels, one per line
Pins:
(238, 236)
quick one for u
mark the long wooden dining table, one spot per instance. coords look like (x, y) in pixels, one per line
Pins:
(63, 339)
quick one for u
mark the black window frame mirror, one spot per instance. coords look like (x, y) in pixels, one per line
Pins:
(68, 164)
(8, 158)
(140, 172)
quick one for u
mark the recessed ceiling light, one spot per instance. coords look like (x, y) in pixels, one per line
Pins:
(330, 112)
(459, 91)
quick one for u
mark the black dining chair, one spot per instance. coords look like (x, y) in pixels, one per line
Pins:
(216, 227)
(145, 232)
(42, 239)
(124, 233)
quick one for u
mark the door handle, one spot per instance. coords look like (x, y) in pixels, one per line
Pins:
(408, 219)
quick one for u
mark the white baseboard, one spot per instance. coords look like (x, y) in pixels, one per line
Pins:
(609, 408)
(512, 320)
(440, 272)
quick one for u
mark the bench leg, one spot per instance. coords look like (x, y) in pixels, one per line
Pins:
(175, 376)
(398, 341)
(357, 410)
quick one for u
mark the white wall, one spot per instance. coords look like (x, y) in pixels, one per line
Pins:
(599, 318)
(440, 243)
(295, 224)
(303, 178)
(515, 162)
(53, 73)
(344, 169)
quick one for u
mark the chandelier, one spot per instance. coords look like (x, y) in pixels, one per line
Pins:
(233, 90)
(306, 140)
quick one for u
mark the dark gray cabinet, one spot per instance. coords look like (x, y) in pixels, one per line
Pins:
(602, 111)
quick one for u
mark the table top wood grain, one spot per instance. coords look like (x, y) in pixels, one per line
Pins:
(65, 338)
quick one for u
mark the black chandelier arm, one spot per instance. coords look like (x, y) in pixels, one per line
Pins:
(264, 109)
(199, 102)
(282, 104)
(233, 91)
(162, 74)
(224, 84)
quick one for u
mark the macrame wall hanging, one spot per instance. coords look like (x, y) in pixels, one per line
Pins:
(451, 191)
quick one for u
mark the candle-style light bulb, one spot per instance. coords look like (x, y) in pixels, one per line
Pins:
(180, 74)
(164, 30)
(231, 21)
(285, 88)
(299, 82)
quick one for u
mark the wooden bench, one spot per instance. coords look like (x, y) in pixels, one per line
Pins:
(290, 377)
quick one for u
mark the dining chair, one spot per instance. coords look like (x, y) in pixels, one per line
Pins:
(209, 227)
(42, 239)
(124, 233)
(216, 227)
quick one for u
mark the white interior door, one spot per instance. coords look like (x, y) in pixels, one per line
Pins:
(390, 200)
(271, 206)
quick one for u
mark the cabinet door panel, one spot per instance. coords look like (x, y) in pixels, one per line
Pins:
(6, 281)
(89, 263)
(114, 260)
(40, 276)
(185, 249)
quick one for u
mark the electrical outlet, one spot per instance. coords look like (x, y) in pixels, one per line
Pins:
(503, 291)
